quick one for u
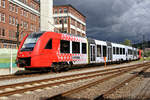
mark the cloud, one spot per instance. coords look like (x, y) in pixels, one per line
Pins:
(114, 20)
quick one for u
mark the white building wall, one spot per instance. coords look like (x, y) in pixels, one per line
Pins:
(46, 20)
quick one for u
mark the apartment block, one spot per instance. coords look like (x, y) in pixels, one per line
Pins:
(12, 12)
(74, 22)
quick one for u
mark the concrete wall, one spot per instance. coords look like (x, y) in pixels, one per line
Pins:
(46, 10)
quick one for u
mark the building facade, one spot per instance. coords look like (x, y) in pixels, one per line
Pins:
(46, 11)
(74, 22)
(13, 12)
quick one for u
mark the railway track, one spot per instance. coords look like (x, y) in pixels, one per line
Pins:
(101, 97)
(36, 73)
(40, 84)
(21, 75)
(112, 90)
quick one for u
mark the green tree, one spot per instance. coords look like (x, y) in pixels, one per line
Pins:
(127, 42)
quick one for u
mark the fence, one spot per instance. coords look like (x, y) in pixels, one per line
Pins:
(5, 57)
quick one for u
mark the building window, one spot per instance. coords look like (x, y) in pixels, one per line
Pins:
(10, 7)
(60, 19)
(16, 9)
(60, 10)
(55, 20)
(64, 46)
(65, 30)
(10, 19)
(13, 8)
(10, 34)
(55, 11)
(3, 3)
(13, 21)
(2, 17)
(65, 20)
(3, 32)
(16, 22)
(0, 2)
(22, 12)
(14, 34)
(65, 10)
(25, 25)
(5, 45)
(21, 24)
(75, 47)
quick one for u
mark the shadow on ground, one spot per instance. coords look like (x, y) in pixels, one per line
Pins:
(146, 75)
(69, 98)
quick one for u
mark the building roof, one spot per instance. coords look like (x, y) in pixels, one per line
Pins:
(71, 7)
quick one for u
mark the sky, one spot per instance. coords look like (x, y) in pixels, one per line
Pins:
(114, 20)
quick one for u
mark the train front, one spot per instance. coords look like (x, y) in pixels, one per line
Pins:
(27, 50)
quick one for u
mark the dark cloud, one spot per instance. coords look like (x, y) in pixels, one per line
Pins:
(114, 20)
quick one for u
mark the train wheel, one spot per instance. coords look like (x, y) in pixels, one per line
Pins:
(56, 68)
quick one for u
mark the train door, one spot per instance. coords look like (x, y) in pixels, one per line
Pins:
(92, 53)
(109, 49)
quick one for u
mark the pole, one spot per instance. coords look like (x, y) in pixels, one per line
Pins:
(17, 35)
(105, 61)
(143, 48)
(11, 64)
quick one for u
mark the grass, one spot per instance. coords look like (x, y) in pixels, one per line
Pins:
(7, 60)
(145, 59)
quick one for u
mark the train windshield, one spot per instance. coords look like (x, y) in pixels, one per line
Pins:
(31, 41)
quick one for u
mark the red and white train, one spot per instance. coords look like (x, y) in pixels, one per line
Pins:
(50, 50)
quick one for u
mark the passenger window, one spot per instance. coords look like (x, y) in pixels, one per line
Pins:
(104, 51)
(83, 48)
(49, 44)
(121, 51)
(64, 46)
(98, 50)
(114, 51)
(117, 50)
(75, 47)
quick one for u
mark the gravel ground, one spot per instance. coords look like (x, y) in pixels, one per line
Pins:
(13, 81)
(42, 94)
(101, 88)
(92, 92)
(50, 91)
(137, 89)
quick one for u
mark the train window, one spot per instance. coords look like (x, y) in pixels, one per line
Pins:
(114, 51)
(49, 44)
(64, 46)
(75, 47)
(98, 50)
(117, 50)
(104, 51)
(129, 51)
(83, 48)
(123, 50)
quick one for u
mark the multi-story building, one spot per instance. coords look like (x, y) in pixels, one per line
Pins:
(74, 22)
(13, 12)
